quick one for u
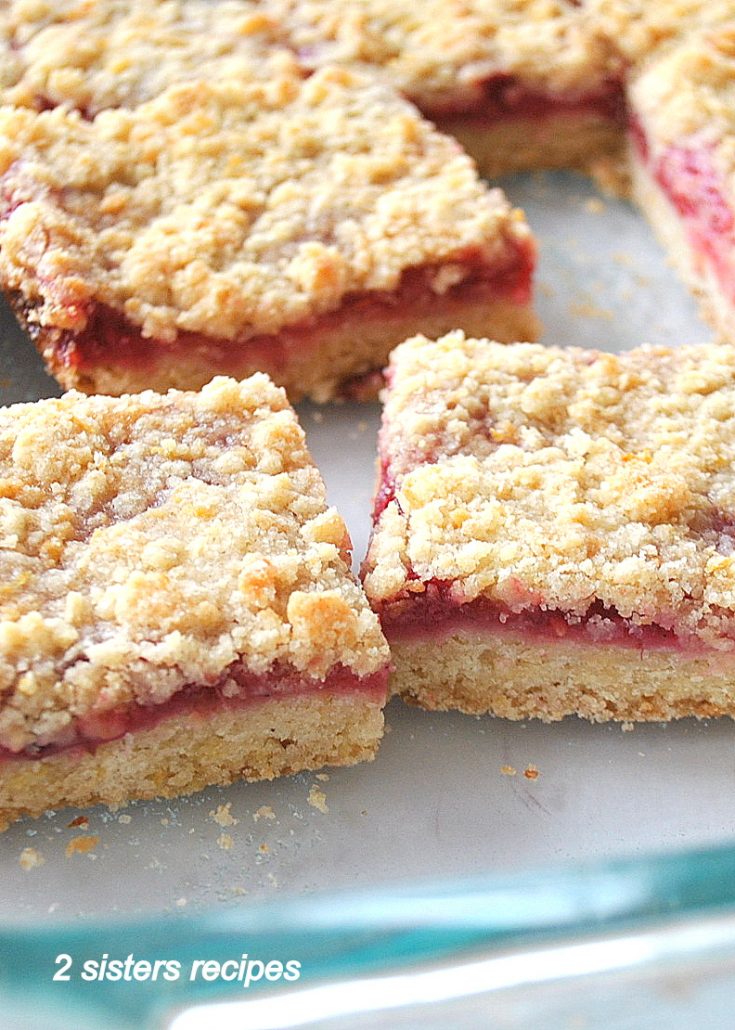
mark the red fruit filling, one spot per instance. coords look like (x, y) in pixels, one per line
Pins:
(110, 338)
(431, 609)
(433, 614)
(236, 689)
(503, 96)
(695, 187)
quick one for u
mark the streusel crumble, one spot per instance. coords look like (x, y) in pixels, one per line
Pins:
(219, 227)
(554, 529)
(177, 607)
(118, 53)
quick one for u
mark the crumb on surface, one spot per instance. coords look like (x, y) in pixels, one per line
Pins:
(81, 821)
(323, 777)
(124, 818)
(508, 770)
(82, 845)
(225, 841)
(223, 816)
(318, 799)
(30, 858)
(264, 812)
(263, 848)
(531, 772)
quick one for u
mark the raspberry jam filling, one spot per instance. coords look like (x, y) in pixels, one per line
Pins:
(430, 610)
(503, 96)
(236, 689)
(110, 338)
(688, 176)
(434, 614)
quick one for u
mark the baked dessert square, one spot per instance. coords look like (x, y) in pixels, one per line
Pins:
(177, 606)
(165, 227)
(521, 85)
(682, 158)
(554, 530)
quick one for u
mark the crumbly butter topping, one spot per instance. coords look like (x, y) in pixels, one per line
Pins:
(112, 53)
(639, 28)
(437, 49)
(235, 208)
(688, 96)
(540, 477)
(148, 542)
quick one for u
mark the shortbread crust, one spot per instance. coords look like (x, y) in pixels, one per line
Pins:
(223, 209)
(537, 495)
(169, 558)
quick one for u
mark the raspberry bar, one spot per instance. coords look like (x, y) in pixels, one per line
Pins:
(683, 164)
(177, 608)
(239, 222)
(520, 85)
(555, 530)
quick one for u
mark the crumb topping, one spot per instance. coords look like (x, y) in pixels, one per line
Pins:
(113, 53)
(688, 97)
(638, 28)
(149, 542)
(538, 477)
(236, 208)
(441, 49)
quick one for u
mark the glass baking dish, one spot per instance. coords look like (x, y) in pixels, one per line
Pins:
(330, 863)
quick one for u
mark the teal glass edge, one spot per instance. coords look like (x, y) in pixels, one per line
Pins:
(351, 934)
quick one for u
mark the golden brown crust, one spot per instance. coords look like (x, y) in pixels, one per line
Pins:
(185, 753)
(225, 208)
(515, 677)
(580, 140)
(343, 358)
(150, 542)
(556, 479)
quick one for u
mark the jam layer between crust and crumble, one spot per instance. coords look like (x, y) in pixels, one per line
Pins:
(502, 97)
(430, 613)
(690, 180)
(429, 610)
(109, 338)
(236, 689)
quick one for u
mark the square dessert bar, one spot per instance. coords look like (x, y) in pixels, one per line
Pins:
(682, 157)
(555, 529)
(521, 85)
(212, 211)
(177, 607)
